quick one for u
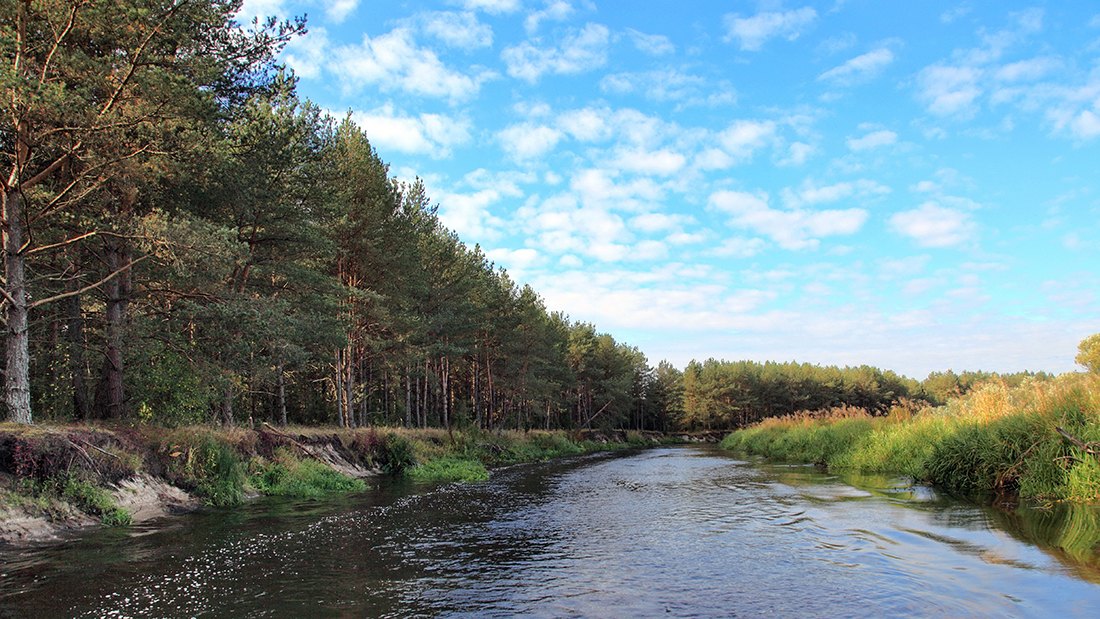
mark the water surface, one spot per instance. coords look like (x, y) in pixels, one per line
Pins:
(672, 532)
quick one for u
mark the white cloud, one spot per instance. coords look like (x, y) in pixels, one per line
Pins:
(559, 225)
(652, 44)
(338, 10)
(587, 125)
(809, 193)
(790, 229)
(713, 159)
(1028, 70)
(556, 10)
(661, 162)
(578, 53)
(872, 140)
(494, 7)
(860, 68)
(660, 85)
(1086, 125)
(430, 134)
(949, 90)
(952, 14)
(658, 222)
(838, 43)
(515, 259)
(526, 141)
(308, 54)
(649, 250)
(754, 31)
(743, 137)
(1030, 20)
(260, 8)
(393, 61)
(738, 247)
(932, 225)
(468, 213)
(797, 154)
(597, 189)
(461, 30)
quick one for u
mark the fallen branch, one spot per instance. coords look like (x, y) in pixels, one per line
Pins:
(304, 449)
(1082, 445)
(71, 440)
(588, 422)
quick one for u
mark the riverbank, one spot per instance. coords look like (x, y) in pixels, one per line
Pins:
(58, 479)
(995, 438)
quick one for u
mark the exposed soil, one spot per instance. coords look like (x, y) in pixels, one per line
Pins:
(143, 497)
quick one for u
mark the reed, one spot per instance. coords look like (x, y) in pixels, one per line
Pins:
(996, 438)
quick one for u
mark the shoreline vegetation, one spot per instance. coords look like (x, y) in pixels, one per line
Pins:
(1038, 440)
(57, 479)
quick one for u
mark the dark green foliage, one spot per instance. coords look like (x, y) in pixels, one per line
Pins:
(290, 476)
(396, 455)
(725, 395)
(218, 470)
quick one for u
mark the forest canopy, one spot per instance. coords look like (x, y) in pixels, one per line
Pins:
(187, 241)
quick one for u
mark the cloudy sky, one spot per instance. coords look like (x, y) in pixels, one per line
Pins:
(910, 185)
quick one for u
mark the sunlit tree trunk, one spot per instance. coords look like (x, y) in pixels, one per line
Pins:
(338, 384)
(17, 391)
(281, 394)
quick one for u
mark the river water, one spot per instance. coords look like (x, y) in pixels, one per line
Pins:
(663, 532)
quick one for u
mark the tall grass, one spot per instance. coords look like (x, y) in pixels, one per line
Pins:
(996, 438)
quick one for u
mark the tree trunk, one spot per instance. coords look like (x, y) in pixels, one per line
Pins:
(111, 389)
(446, 412)
(408, 400)
(281, 394)
(81, 405)
(349, 386)
(117, 299)
(227, 404)
(17, 387)
(339, 384)
(474, 396)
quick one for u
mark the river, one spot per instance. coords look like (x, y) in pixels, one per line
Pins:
(662, 532)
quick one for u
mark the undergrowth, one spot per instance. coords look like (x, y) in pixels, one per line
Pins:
(51, 472)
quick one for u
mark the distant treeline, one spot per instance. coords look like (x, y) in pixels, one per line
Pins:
(724, 394)
(187, 241)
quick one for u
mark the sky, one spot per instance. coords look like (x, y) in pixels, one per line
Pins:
(908, 185)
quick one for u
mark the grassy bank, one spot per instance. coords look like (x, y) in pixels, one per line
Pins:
(72, 474)
(995, 438)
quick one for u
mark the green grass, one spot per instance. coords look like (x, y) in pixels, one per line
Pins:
(995, 439)
(95, 501)
(450, 469)
(289, 476)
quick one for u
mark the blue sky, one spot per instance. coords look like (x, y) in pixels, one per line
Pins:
(910, 185)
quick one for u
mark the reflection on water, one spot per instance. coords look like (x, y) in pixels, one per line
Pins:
(676, 532)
